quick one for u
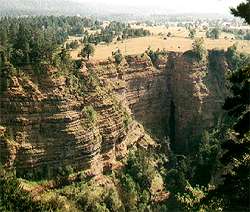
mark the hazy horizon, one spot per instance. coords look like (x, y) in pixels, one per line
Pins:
(169, 6)
(139, 8)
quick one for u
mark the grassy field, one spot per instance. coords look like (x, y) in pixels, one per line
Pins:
(178, 43)
(179, 31)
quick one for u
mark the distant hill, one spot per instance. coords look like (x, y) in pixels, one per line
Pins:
(43, 7)
(88, 8)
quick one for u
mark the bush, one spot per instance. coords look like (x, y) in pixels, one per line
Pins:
(247, 36)
(199, 49)
(214, 33)
(90, 114)
(155, 55)
(118, 56)
(192, 33)
(88, 50)
(141, 167)
(13, 198)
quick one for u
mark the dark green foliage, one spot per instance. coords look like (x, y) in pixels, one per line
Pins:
(6, 70)
(136, 178)
(242, 11)
(72, 45)
(90, 114)
(176, 175)
(235, 59)
(206, 162)
(140, 167)
(113, 30)
(192, 33)
(155, 55)
(88, 50)
(118, 56)
(236, 157)
(199, 49)
(214, 33)
(239, 34)
(131, 33)
(220, 153)
(34, 40)
(87, 196)
(13, 198)
(247, 36)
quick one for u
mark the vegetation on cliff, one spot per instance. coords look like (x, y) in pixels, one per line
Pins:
(103, 159)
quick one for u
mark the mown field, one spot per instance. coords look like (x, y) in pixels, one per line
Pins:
(178, 42)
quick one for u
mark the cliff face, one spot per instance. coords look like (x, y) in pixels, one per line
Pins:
(180, 98)
(141, 86)
(47, 126)
(197, 95)
(51, 123)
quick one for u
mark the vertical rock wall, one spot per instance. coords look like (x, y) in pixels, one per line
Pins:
(44, 125)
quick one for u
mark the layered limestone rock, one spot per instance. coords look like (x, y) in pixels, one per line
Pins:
(84, 120)
(47, 127)
(197, 95)
(179, 96)
(141, 86)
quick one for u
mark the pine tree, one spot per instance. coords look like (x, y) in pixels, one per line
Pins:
(242, 11)
(236, 158)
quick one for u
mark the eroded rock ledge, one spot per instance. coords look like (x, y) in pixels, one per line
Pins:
(46, 125)
(178, 97)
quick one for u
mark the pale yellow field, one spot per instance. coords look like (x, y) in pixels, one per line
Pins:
(178, 31)
(139, 45)
(179, 42)
(155, 30)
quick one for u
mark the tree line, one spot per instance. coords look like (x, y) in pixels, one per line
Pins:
(35, 39)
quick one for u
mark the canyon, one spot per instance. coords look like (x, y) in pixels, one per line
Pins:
(90, 122)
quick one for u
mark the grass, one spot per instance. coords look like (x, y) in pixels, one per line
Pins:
(179, 31)
(178, 43)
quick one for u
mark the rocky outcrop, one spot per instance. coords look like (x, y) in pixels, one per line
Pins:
(83, 120)
(197, 94)
(49, 127)
(142, 87)
(180, 97)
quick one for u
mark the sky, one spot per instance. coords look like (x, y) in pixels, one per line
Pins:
(175, 6)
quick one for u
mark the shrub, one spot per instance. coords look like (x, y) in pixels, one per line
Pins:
(192, 33)
(214, 33)
(13, 198)
(88, 50)
(90, 114)
(118, 56)
(199, 49)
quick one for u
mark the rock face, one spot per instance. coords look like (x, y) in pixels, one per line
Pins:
(49, 128)
(142, 87)
(55, 122)
(180, 97)
(197, 95)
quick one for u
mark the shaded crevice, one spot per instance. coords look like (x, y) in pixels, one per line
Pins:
(172, 125)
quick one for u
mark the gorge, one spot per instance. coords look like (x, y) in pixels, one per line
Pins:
(89, 123)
